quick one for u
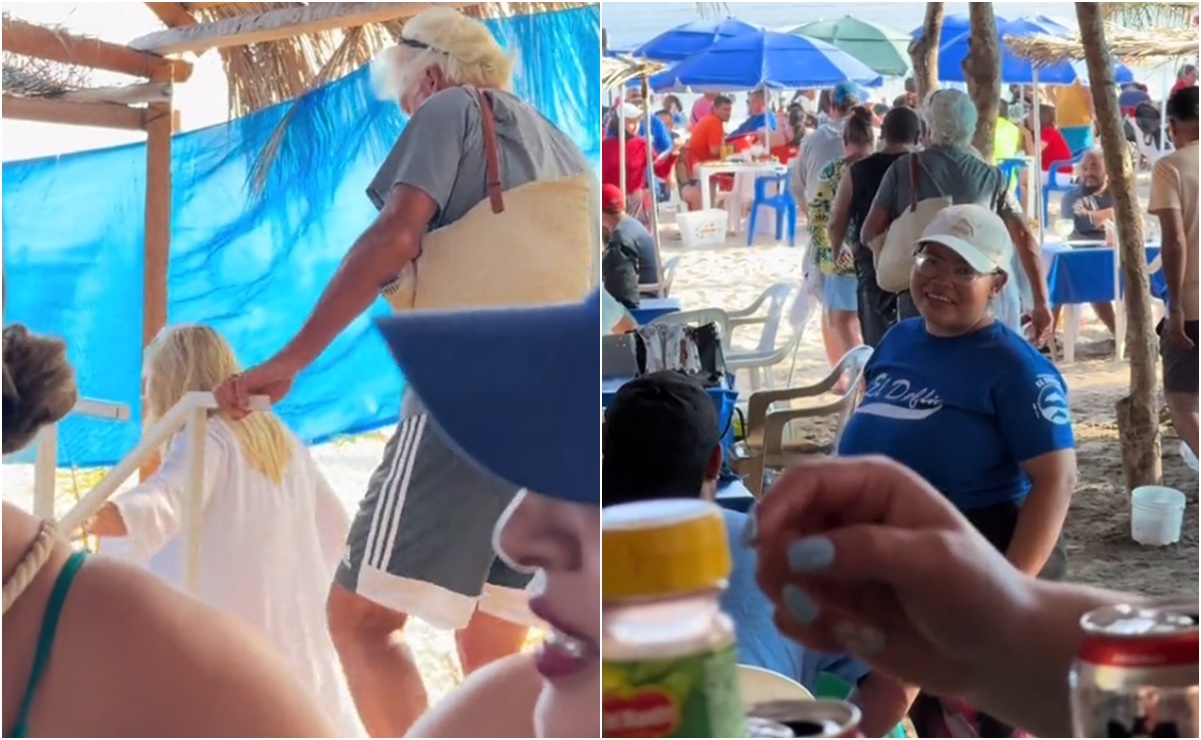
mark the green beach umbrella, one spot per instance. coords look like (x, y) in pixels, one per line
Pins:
(884, 49)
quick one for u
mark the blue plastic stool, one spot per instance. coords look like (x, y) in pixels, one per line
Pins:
(782, 202)
(1010, 168)
(1051, 184)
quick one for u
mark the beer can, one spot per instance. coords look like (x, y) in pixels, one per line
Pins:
(1136, 672)
(811, 718)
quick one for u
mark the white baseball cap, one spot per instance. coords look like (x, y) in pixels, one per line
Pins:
(629, 110)
(975, 233)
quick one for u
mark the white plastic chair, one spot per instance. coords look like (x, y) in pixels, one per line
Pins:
(667, 275)
(766, 355)
(765, 446)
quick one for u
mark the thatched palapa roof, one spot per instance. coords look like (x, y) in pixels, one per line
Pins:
(1125, 44)
(616, 71)
(263, 68)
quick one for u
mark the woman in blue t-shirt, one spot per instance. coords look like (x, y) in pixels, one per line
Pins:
(970, 404)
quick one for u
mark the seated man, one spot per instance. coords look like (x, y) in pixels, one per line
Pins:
(761, 121)
(1089, 205)
(629, 233)
(704, 145)
(662, 440)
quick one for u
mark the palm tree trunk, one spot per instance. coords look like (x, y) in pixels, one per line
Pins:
(923, 51)
(982, 71)
(1137, 414)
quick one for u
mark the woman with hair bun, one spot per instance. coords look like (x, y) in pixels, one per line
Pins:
(272, 527)
(168, 666)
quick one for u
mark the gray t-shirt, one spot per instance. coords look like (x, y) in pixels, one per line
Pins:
(818, 149)
(441, 152)
(1084, 228)
(946, 172)
(630, 232)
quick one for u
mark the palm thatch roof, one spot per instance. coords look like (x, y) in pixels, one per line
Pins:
(265, 73)
(1128, 45)
(1151, 15)
(616, 71)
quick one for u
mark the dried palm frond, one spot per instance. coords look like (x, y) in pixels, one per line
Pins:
(265, 74)
(1125, 44)
(617, 71)
(1150, 15)
(29, 77)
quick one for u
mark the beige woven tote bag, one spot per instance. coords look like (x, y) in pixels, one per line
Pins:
(531, 245)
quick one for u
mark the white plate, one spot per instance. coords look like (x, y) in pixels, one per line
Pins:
(759, 686)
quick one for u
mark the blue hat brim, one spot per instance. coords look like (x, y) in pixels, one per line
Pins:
(516, 390)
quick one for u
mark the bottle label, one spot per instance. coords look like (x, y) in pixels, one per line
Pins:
(693, 696)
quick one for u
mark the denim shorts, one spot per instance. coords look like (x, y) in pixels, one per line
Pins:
(840, 292)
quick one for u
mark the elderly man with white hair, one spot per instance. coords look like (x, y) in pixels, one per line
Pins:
(421, 542)
(949, 167)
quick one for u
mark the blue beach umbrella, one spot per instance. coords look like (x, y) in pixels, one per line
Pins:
(684, 41)
(766, 59)
(953, 25)
(1014, 69)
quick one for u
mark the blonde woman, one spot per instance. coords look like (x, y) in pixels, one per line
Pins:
(272, 528)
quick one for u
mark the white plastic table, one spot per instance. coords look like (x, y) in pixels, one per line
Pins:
(741, 171)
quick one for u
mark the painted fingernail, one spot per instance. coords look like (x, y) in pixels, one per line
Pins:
(859, 638)
(810, 554)
(749, 531)
(800, 604)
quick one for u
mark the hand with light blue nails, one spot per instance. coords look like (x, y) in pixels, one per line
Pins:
(864, 556)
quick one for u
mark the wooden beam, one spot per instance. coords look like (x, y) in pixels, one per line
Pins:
(149, 92)
(32, 40)
(157, 245)
(102, 115)
(274, 25)
(172, 14)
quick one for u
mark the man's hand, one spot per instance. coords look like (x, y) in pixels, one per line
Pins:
(1174, 328)
(1041, 323)
(273, 379)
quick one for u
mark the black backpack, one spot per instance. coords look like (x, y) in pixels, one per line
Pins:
(619, 273)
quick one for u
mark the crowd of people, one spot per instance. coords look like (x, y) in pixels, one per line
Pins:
(960, 394)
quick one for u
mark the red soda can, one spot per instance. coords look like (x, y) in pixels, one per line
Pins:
(811, 718)
(1136, 673)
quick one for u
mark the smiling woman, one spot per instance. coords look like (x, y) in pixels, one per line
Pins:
(972, 407)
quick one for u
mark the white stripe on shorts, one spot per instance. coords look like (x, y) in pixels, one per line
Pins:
(383, 505)
(402, 490)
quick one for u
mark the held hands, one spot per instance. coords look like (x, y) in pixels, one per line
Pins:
(273, 378)
(862, 555)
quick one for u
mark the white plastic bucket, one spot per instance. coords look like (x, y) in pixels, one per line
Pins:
(1155, 515)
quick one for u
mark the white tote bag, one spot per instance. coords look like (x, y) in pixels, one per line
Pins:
(893, 250)
(531, 245)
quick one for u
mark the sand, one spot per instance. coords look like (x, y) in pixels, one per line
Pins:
(1100, 549)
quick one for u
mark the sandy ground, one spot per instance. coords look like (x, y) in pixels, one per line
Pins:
(1097, 532)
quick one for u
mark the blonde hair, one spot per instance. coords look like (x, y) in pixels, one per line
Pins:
(196, 358)
(463, 48)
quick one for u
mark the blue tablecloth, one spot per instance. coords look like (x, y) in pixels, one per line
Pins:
(724, 397)
(1085, 274)
(650, 309)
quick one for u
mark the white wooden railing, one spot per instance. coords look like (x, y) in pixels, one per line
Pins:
(46, 463)
(190, 414)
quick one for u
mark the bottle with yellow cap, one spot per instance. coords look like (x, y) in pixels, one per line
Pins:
(668, 661)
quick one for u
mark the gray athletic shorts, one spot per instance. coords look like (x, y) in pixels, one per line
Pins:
(421, 542)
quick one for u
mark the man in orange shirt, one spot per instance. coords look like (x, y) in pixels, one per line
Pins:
(704, 145)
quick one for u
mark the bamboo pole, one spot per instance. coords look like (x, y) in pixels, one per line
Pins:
(159, 125)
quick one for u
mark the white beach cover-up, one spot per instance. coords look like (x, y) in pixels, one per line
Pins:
(267, 554)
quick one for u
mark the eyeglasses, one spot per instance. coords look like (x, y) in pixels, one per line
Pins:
(930, 266)
(415, 44)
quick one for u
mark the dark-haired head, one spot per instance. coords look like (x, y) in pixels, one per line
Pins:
(1046, 116)
(1182, 115)
(661, 440)
(857, 131)
(39, 385)
(901, 126)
